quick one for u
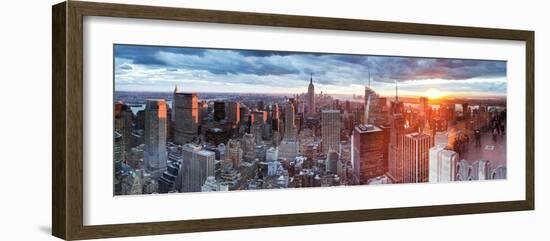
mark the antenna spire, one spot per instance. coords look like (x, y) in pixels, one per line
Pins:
(368, 69)
(311, 78)
(396, 95)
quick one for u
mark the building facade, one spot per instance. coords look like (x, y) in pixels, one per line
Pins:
(233, 112)
(233, 153)
(155, 154)
(258, 121)
(442, 164)
(368, 151)
(290, 125)
(311, 97)
(416, 148)
(185, 110)
(219, 110)
(197, 165)
(330, 130)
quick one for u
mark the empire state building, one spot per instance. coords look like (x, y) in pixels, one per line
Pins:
(311, 97)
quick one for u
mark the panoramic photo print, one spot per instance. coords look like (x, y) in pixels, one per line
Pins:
(204, 119)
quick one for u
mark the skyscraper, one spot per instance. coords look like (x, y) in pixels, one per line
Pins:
(219, 110)
(397, 131)
(249, 145)
(442, 164)
(368, 152)
(155, 155)
(258, 119)
(441, 138)
(330, 130)
(288, 150)
(233, 153)
(416, 149)
(186, 116)
(123, 125)
(118, 153)
(311, 97)
(275, 124)
(233, 112)
(290, 126)
(167, 180)
(478, 170)
(422, 106)
(197, 165)
(465, 111)
(331, 163)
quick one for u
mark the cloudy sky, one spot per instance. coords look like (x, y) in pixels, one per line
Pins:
(152, 68)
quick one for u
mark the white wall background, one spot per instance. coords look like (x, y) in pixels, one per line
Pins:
(25, 119)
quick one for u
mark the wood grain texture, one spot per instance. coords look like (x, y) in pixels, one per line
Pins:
(59, 192)
(530, 120)
(67, 100)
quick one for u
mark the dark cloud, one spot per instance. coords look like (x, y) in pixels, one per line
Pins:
(388, 69)
(328, 69)
(125, 67)
(146, 54)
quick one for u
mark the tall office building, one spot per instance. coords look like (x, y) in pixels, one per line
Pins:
(441, 138)
(290, 125)
(498, 173)
(442, 164)
(155, 154)
(123, 125)
(233, 112)
(167, 181)
(219, 110)
(397, 131)
(275, 125)
(330, 130)
(118, 153)
(331, 163)
(249, 147)
(233, 153)
(368, 152)
(288, 150)
(197, 165)
(478, 170)
(258, 121)
(483, 170)
(244, 113)
(416, 148)
(203, 112)
(423, 106)
(186, 116)
(465, 111)
(373, 104)
(311, 97)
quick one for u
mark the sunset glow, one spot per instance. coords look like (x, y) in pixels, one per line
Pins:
(218, 120)
(156, 68)
(434, 93)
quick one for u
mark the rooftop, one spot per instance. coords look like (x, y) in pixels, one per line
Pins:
(362, 128)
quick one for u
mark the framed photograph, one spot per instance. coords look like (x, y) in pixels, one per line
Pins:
(171, 120)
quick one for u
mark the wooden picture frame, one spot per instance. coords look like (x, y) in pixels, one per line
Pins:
(67, 124)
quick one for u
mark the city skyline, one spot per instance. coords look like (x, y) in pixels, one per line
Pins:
(193, 140)
(156, 68)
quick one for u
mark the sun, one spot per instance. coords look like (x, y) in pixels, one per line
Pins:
(434, 93)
